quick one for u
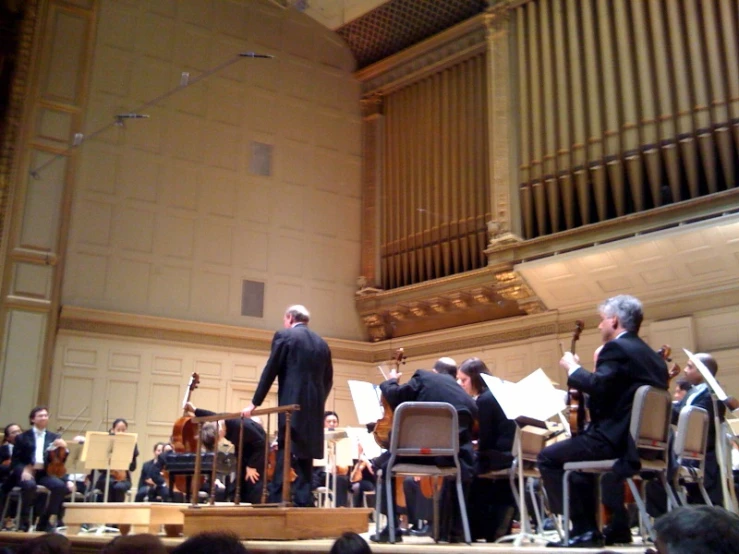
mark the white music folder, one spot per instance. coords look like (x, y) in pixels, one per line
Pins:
(534, 396)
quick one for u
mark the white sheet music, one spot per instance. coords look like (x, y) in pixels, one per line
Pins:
(533, 396)
(366, 401)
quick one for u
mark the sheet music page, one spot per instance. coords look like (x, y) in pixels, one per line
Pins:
(366, 440)
(533, 396)
(366, 401)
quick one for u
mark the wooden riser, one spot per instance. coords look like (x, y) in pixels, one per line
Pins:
(137, 517)
(276, 523)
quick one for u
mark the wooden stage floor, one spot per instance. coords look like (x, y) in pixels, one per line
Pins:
(86, 544)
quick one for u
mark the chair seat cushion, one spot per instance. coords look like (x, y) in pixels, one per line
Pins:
(592, 466)
(422, 469)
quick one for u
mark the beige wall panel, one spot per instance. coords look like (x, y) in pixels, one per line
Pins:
(151, 78)
(123, 399)
(346, 266)
(215, 243)
(155, 36)
(260, 110)
(326, 317)
(117, 25)
(280, 295)
(225, 102)
(303, 38)
(116, 70)
(163, 403)
(167, 365)
(32, 281)
(134, 229)
(251, 249)
(99, 222)
(192, 156)
(208, 368)
(24, 338)
(125, 361)
(208, 395)
(81, 357)
(129, 282)
(40, 225)
(223, 145)
(317, 265)
(229, 18)
(286, 256)
(180, 186)
(55, 126)
(98, 170)
(728, 370)
(75, 393)
(323, 207)
(299, 122)
(300, 79)
(297, 163)
(245, 372)
(253, 202)
(139, 176)
(175, 236)
(62, 73)
(210, 293)
(218, 192)
(184, 137)
(89, 281)
(717, 331)
(677, 333)
(170, 288)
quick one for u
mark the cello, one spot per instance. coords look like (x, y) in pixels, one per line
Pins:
(184, 438)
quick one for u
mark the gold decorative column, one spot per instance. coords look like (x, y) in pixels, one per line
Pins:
(372, 118)
(49, 96)
(504, 226)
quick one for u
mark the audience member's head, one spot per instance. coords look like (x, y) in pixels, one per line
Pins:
(135, 544)
(330, 419)
(50, 543)
(212, 541)
(350, 543)
(697, 528)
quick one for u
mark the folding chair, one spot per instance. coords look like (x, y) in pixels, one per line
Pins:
(422, 429)
(17, 494)
(650, 431)
(691, 442)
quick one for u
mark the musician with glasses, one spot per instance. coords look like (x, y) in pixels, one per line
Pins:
(624, 364)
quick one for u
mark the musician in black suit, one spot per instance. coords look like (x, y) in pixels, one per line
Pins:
(429, 386)
(624, 364)
(251, 447)
(491, 501)
(12, 430)
(300, 360)
(698, 395)
(29, 469)
(151, 482)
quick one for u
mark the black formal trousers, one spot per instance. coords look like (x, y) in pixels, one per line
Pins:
(301, 487)
(583, 502)
(30, 497)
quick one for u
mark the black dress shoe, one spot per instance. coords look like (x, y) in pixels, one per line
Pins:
(423, 531)
(384, 536)
(589, 539)
(617, 535)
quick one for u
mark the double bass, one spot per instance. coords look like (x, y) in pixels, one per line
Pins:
(184, 432)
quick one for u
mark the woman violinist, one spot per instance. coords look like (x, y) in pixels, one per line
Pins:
(120, 480)
(491, 502)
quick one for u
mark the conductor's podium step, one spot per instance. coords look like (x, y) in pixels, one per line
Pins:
(136, 517)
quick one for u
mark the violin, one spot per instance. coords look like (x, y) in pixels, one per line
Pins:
(184, 438)
(56, 458)
(575, 399)
(385, 424)
(673, 370)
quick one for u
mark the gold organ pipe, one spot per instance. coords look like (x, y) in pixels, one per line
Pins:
(536, 136)
(563, 109)
(727, 20)
(719, 99)
(663, 79)
(550, 130)
(527, 209)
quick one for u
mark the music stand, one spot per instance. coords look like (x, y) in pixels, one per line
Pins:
(332, 438)
(74, 457)
(103, 451)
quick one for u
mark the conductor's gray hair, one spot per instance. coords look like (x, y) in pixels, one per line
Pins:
(628, 309)
(299, 313)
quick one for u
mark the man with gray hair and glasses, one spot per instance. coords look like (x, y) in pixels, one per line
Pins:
(624, 364)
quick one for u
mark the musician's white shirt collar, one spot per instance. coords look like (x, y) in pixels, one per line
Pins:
(40, 435)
